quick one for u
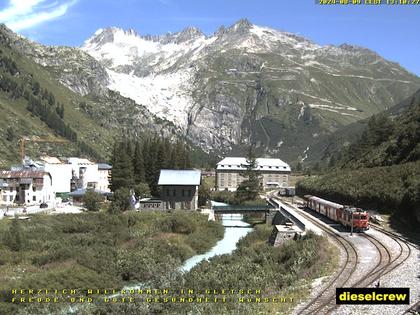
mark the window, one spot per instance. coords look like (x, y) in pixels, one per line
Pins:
(11, 198)
(174, 193)
(183, 193)
(4, 198)
(33, 188)
(34, 198)
(189, 192)
(17, 189)
(11, 189)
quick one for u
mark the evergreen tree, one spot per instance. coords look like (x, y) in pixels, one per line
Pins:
(122, 168)
(138, 164)
(142, 190)
(249, 188)
(161, 156)
(204, 193)
(36, 88)
(120, 200)
(10, 134)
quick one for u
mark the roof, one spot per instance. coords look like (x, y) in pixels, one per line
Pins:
(288, 229)
(82, 192)
(80, 161)
(104, 166)
(325, 202)
(22, 174)
(51, 160)
(179, 177)
(237, 163)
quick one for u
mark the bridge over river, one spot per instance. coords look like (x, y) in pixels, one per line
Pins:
(266, 211)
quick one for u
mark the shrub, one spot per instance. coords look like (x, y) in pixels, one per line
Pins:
(120, 200)
(92, 200)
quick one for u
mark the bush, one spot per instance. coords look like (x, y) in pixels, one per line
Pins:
(224, 196)
(92, 200)
(14, 238)
(120, 200)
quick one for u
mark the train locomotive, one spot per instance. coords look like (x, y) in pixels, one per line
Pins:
(339, 213)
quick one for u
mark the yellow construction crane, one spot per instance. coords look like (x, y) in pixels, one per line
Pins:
(33, 139)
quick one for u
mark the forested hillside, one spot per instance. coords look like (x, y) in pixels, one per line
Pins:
(380, 169)
(32, 104)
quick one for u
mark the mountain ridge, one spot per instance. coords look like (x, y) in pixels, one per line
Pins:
(244, 84)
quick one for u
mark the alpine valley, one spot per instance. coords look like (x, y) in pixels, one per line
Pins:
(242, 85)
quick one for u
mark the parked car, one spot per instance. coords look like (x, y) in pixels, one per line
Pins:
(43, 205)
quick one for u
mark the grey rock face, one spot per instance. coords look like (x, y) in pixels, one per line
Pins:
(243, 84)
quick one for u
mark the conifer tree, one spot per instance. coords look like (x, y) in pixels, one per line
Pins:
(122, 168)
(249, 188)
(138, 164)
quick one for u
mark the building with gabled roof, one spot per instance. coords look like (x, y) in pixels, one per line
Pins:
(179, 188)
(274, 173)
(26, 187)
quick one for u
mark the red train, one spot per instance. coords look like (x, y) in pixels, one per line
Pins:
(339, 213)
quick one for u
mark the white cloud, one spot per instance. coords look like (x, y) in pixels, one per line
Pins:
(20, 15)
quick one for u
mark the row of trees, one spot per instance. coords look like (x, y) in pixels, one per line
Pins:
(139, 162)
(51, 116)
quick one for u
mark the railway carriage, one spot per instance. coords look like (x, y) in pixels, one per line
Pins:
(339, 213)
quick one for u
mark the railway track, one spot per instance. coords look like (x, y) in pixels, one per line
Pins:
(324, 301)
(326, 297)
(385, 259)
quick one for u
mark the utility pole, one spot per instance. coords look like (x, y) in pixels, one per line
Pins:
(351, 232)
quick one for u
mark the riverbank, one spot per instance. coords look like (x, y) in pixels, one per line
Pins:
(97, 250)
(255, 279)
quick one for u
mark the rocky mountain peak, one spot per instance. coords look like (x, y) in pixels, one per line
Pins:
(107, 35)
(188, 34)
(242, 26)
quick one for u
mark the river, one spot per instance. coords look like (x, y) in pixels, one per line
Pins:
(235, 229)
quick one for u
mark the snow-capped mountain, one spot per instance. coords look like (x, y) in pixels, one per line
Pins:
(243, 84)
(248, 83)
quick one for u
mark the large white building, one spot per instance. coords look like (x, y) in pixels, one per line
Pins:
(274, 173)
(26, 187)
(61, 174)
(66, 175)
(87, 174)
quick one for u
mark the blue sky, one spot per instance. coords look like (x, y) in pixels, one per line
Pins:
(390, 30)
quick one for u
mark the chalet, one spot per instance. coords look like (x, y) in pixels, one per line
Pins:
(179, 188)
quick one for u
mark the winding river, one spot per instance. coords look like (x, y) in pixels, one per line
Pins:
(235, 229)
